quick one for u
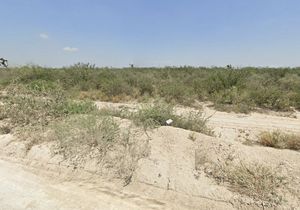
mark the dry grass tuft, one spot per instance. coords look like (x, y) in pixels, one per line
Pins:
(262, 183)
(280, 140)
(4, 129)
(83, 132)
(259, 182)
(26, 107)
(115, 148)
(256, 181)
(192, 136)
(154, 116)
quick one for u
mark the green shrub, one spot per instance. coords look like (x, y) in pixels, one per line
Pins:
(23, 108)
(230, 89)
(70, 107)
(153, 116)
(225, 79)
(42, 87)
(195, 121)
(156, 115)
(176, 92)
(145, 86)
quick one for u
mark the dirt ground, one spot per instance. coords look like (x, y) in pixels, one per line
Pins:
(173, 176)
(23, 189)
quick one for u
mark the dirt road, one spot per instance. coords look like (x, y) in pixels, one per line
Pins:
(22, 189)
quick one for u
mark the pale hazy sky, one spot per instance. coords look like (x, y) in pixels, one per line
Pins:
(151, 32)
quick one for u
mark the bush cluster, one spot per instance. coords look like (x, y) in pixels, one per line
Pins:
(154, 116)
(240, 90)
(24, 106)
(280, 140)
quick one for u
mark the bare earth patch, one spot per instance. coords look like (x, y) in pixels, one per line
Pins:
(180, 171)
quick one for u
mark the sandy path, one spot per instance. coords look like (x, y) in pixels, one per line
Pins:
(21, 189)
(253, 121)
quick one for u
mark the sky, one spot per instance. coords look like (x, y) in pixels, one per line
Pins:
(117, 33)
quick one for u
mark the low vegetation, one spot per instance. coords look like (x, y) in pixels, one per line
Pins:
(257, 181)
(192, 136)
(23, 106)
(4, 129)
(239, 90)
(86, 130)
(280, 140)
(153, 116)
(54, 104)
(81, 137)
(261, 183)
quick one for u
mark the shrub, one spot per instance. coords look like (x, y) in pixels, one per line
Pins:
(256, 181)
(156, 115)
(145, 86)
(259, 182)
(233, 100)
(70, 107)
(101, 138)
(4, 129)
(42, 87)
(177, 92)
(153, 116)
(280, 140)
(230, 89)
(26, 108)
(192, 136)
(86, 131)
(224, 79)
(195, 121)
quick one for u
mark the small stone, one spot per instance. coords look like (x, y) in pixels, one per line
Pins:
(169, 121)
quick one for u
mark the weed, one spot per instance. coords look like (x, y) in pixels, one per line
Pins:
(23, 107)
(256, 181)
(101, 136)
(154, 116)
(4, 129)
(195, 121)
(259, 182)
(239, 90)
(192, 136)
(86, 131)
(280, 140)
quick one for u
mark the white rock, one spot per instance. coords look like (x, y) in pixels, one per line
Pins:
(169, 121)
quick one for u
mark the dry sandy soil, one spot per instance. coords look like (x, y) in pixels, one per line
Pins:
(173, 176)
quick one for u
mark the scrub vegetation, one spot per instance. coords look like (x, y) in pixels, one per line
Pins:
(238, 90)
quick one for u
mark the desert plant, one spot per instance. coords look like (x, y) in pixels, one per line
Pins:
(153, 116)
(86, 131)
(194, 121)
(259, 182)
(280, 140)
(101, 137)
(27, 108)
(236, 90)
(256, 181)
(4, 129)
(192, 136)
